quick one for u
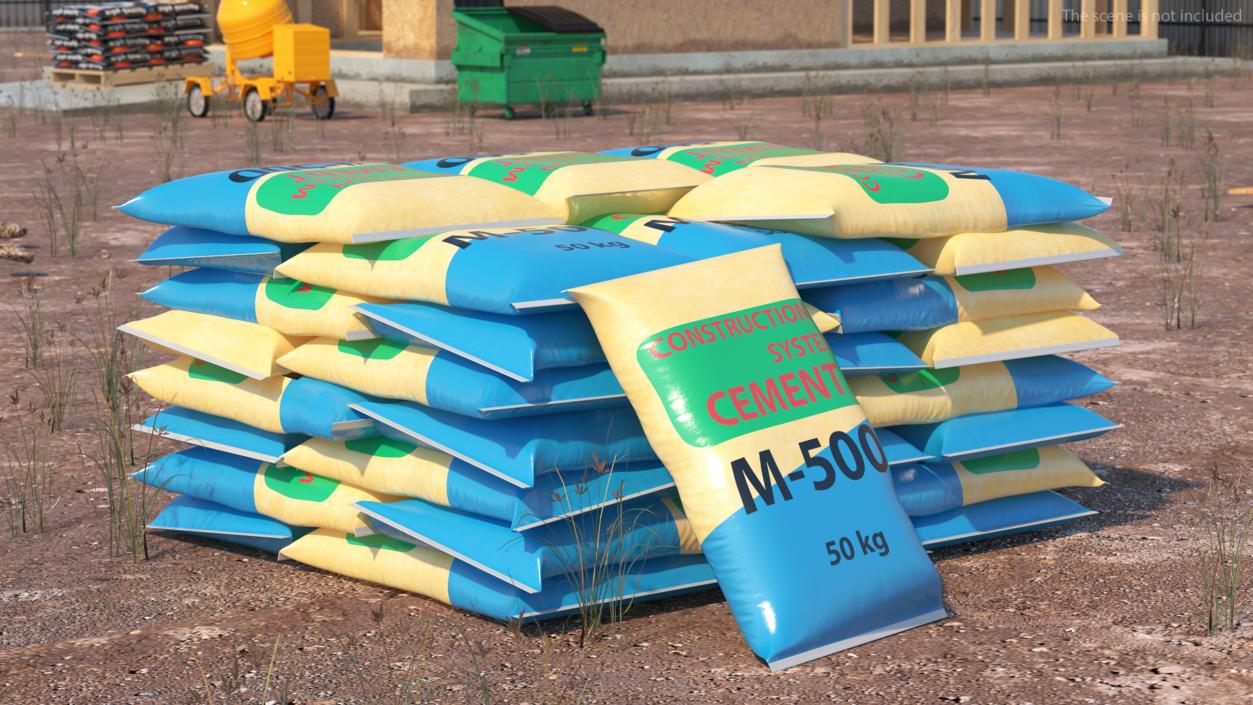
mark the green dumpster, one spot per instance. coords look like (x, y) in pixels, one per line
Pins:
(542, 55)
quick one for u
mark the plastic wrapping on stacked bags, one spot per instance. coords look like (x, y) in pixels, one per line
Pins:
(392, 380)
(118, 35)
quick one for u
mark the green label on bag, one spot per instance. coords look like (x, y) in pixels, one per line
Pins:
(528, 174)
(890, 184)
(390, 251)
(744, 371)
(617, 222)
(290, 293)
(380, 447)
(381, 542)
(1008, 280)
(212, 373)
(371, 349)
(1017, 460)
(921, 380)
(295, 483)
(310, 191)
(721, 159)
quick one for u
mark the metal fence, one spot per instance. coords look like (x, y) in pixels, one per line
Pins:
(1208, 27)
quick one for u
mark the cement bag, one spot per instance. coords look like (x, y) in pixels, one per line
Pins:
(1040, 245)
(931, 489)
(740, 429)
(931, 302)
(930, 396)
(193, 247)
(1007, 338)
(578, 186)
(860, 354)
(286, 305)
(441, 380)
(335, 203)
(717, 158)
(520, 450)
(247, 348)
(886, 200)
(279, 404)
(507, 271)
(395, 467)
(518, 347)
(218, 433)
(431, 573)
(615, 538)
(998, 517)
(188, 515)
(999, 432)
(811, 261)
(287, 494)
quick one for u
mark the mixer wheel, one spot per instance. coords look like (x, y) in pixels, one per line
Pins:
(255, 109)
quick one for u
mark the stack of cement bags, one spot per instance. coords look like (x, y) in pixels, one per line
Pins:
(122, 35)
(381, 372)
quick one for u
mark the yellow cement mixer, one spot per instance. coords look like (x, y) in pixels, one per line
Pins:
(255, 29)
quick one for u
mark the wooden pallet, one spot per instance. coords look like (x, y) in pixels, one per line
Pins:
(100, 78)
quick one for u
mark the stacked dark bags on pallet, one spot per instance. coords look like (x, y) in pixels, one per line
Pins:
(124, 35)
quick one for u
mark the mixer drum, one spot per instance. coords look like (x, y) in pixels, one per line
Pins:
(248, 26)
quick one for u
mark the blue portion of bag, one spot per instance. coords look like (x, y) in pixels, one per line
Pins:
(218, 433)
(519, 450)
(978, 435)
(214, 476)
(462, 387)
(927, 489)
(998, 517)
(871, 354)
(194, 247)
(1039, 381)
(895, 305)
(213, 291)
(214, 201)
(188, 515)
(317, 408)
(1031, 199)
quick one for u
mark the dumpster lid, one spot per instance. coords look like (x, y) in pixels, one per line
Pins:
(557, 19)
(478, 3)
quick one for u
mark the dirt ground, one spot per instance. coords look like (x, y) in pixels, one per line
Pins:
(1105, 610)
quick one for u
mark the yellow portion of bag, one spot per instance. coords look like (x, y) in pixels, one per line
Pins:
(713, 156)
(1007, 338)
(973, 253)
(377, 366)
(931, 396)
(377, 559)
(378, 465)
(979, 297)
(688, 544)
(680, 321)
(1022, 472)
(295, 496)
(247, 348)
(849, 201)
(411, 270)
(298, 308)
(205, 387)
(368, 202)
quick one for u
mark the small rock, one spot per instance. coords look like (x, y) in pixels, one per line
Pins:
(1167, 669)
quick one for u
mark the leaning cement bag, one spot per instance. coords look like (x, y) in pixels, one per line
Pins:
(288, 494)
(394, 467)
(613, 539)
(519, 450)
(506, 271)
(740, 429)
(188, 515)
(931, 302)
(441, 380)
(425, 571)
(247, 348)
(1040, 245)
(335, 203)
(931, 396)
(279, 404)
(812, 261)
(999, 432)
(933, 488)
(886, 200)
(1007, 338)
(288, 306)
(218, 433)
(717, 158)
(578, 186)
(194, 247)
